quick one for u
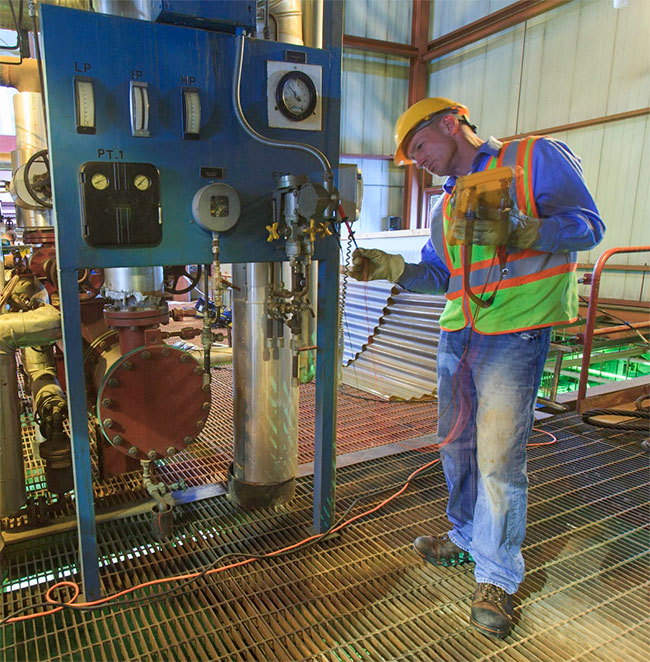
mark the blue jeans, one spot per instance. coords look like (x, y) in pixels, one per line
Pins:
(487, 387)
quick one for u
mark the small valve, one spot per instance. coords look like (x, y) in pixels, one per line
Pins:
(273, 232)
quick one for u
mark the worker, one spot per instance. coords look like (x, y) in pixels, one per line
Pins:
(503, 297)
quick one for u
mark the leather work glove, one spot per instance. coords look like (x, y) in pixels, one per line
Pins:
(373, 264)
(518, 231)
(524, 230)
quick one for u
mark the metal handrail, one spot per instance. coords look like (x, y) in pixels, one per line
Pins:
(591, 313)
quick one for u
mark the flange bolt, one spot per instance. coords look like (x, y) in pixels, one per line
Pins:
(133, 451)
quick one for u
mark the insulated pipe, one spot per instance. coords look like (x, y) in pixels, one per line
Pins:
(312, 23)
(7, 17)
(266, 400)
(30, 124)
(29, 329)
(24, 77)
(288, 14)
(134, 286)
(140, 9)
(17, 330)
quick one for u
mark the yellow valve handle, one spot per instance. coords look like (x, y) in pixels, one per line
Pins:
(312, 231)
(273, 232)
(324, 230)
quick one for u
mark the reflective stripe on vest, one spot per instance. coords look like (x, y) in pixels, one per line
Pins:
(539, 288)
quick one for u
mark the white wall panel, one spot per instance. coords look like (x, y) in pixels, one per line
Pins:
(449, 15)
(387, 20)
(580, 61)
(375, 91)
(481, 76)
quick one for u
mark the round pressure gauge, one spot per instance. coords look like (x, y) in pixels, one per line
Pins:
(141, 182)
(99, 181)
(296, 96)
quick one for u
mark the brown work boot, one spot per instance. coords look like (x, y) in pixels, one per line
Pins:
(440, 550)
(491, 610)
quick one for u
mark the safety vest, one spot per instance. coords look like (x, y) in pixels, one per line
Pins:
(536, 288)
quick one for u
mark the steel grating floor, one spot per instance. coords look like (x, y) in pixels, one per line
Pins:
(365, 595)
(363, 421)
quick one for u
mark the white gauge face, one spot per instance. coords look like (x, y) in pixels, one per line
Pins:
(84, 105)
(191, 113)
(296, 96)
(139, 110)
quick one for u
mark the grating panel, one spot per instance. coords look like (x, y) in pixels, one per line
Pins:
(364, 421)
(364, 595)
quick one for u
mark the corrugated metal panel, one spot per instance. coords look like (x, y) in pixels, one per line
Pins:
(399, 362)
(447, 16)
(388, 20)
(579, 61)
(364, 305)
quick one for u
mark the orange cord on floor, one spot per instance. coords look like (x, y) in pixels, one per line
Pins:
(335, 529)
(300, 543)
(166, 580)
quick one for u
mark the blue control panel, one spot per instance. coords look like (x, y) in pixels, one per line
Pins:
(123, 92)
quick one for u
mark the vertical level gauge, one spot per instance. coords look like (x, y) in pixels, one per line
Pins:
(191, 113)
(84, 104)
(139, 109)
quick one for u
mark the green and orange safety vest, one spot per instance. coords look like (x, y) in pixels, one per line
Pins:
(536, 288)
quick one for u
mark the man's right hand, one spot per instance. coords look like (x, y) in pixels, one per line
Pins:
(373, 264)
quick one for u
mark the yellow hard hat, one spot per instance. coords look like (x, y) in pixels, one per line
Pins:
(420, 112)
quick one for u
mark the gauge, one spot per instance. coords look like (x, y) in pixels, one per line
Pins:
(84, 103)
(191, 113)
(139, 110)
(99, 181)
(296, 96)
(141, 182)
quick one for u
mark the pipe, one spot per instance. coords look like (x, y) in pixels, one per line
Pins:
(239, 113)
(312, 23)
(219, 355)
(288, 15)
(23, 77)
(7, 19)
(29, 329)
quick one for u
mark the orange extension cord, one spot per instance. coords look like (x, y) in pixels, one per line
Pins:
(189, 576)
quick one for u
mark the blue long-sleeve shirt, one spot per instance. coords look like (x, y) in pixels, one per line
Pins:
(571, 221)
